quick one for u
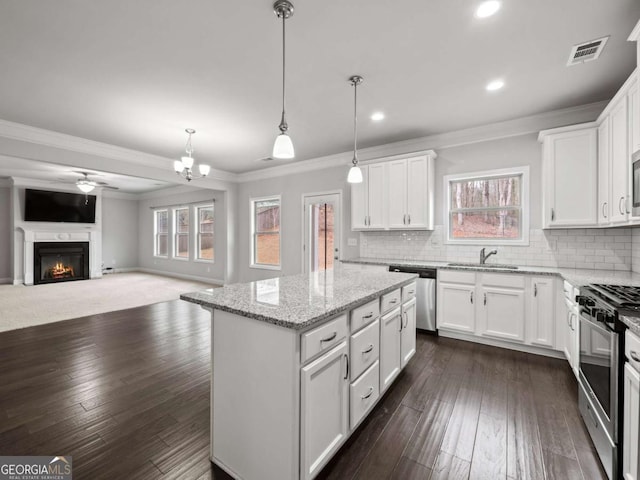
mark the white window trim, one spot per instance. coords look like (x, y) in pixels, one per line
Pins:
(196, 226)
(174, 233)
(252, 202)
(526, 206)
(155, 232)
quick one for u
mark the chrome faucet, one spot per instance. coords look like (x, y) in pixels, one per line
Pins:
(483, 257)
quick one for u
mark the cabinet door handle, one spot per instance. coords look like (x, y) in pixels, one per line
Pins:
(329, 338)
(626, 205)
(409, 217)
(634, 356)
(620, 205)
(394, 301)
(369, 393)
(471, 297)
(369, 315)
(604, 210)
(485, 298)
(368, 349)
(553, 214)
(406, 320)
(346, 374)
(404, 219)
(535, 289)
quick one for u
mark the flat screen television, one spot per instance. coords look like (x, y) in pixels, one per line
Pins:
(46, 206)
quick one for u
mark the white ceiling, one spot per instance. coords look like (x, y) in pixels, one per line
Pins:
(135, 74)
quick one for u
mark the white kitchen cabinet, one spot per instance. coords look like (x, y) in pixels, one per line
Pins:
(604, 191)
(634, 115)
(572, 339)
(456, 308)
(390, 347)
(369, 198)
(411, 193)
(502, 313)
(630, 457)
(569, 176)
(324, 409)
(408, 332)
(395, 194)
(541, 318)
(620, 162)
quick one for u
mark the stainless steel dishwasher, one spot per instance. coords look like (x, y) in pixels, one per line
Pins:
(425, 296)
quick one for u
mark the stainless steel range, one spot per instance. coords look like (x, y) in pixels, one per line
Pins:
(601, 366)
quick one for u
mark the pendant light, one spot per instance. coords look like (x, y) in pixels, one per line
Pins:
(283, 147)
(355, 173)
(184, 166)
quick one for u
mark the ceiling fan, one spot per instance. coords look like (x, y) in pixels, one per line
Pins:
(85, 184)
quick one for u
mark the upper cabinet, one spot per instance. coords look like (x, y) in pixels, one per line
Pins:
(569, 176)
(395, 194)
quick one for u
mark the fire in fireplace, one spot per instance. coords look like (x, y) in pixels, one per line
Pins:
(60, 261)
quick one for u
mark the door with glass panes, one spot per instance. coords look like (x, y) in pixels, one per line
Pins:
(321, 231)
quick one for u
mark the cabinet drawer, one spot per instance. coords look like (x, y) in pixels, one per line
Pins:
(408, 292)
(323, 337)
(632, 349)
(364, 393)
(569, 291)
(364, 314)
(390, 300)
(365, 349)
(454, 276)
(509, 280)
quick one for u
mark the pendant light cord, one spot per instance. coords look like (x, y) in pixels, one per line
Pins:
(283, 122)
(355, 123)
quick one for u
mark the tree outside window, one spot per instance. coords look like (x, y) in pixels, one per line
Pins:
(205, 232)
(181, 245)
(266, 232)
(161, 243)
(488, 208)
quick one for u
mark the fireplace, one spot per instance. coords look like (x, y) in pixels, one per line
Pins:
(60, 261)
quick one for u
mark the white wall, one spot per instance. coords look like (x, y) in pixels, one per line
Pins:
(119, 232)
(217, 271)
(291, 188)
(5, 234)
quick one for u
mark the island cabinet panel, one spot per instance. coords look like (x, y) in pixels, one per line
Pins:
(324, 337)
(364, 394)
(408, 333)
(365, 314)
(365, 349)
(325, 409)
(390, 353)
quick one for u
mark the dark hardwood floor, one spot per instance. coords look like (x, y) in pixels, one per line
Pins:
(127, 395)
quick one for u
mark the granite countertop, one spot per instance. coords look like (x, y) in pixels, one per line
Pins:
(575, 276)
(632, 322)
(299, 301)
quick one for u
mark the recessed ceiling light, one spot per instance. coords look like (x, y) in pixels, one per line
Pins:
(377, 116)
(495, 85)
(486, 9)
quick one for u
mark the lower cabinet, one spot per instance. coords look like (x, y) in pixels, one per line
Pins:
(571, 338)
(408, 332)
(324, 408)
(390, 353)
(511, 307)
(630, 458)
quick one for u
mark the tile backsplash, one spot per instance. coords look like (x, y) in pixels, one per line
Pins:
(601, 249)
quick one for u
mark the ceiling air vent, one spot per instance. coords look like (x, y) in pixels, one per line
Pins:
(585, 52)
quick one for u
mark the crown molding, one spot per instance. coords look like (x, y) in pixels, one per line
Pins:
(484, 133)
(635, 33)
(165, 192)
(568, 128)
(48, 138)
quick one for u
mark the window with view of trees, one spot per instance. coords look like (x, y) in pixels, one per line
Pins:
(204, 245)
(161, 233)
(488, 207)
(265, 232)
(181, 243)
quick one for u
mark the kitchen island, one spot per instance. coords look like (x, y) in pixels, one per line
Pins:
(298, 362)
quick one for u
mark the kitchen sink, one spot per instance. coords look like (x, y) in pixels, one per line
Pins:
(486, 265)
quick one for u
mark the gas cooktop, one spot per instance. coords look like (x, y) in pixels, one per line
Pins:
(620, 297)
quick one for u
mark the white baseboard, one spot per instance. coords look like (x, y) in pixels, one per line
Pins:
(547, 352)
(177, 275)
(17, 281)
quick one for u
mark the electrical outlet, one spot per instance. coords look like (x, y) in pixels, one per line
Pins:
(113, 262)
(352, 242)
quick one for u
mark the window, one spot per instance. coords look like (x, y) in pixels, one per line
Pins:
(181, 233)
(204, 232)
(161, 233)
(265, 243)
(489, 208)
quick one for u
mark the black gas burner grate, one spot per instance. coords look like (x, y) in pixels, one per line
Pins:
(620, 296)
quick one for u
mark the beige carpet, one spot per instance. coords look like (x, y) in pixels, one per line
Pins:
(22, 306)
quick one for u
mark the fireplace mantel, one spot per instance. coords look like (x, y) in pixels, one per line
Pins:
(63, 235)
